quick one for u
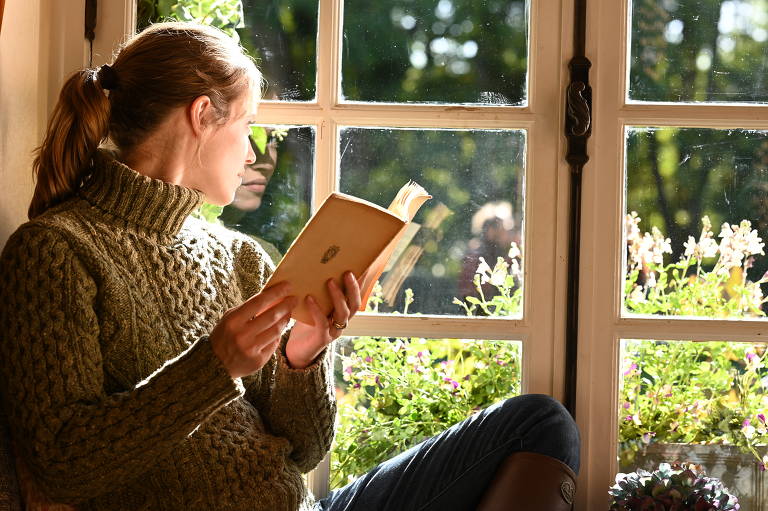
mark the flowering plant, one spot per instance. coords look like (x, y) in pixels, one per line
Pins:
(686, 287)
(693, 392)
(397, 392)
(670, 489)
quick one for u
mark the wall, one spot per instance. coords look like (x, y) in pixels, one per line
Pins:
(41, 43)
(20, 109)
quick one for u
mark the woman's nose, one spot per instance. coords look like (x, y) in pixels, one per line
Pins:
(251, 156)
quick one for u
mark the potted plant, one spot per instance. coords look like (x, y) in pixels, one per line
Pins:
(670, 488)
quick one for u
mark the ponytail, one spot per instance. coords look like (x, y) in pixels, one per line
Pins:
(79, 123)
(166, 66)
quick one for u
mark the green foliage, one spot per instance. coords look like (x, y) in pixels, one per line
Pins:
(693, 392)
(224, 14)
(397, 392)
(670, 489)
(209, 213)
(402, 391)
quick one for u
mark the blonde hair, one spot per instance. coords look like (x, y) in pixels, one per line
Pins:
(165, 66)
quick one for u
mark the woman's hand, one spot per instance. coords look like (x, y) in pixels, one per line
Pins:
(246, 336)
(306, 342)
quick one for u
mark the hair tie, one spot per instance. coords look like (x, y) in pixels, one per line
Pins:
(107, 77)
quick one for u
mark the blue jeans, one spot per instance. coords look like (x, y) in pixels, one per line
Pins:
(451, 471)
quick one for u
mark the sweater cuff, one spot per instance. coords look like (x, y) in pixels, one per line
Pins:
(211, 386)
(312, 372)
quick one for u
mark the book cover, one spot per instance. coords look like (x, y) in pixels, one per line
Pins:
(345, 234)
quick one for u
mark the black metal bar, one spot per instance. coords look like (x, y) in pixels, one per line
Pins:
(578, 128)
(91, 9)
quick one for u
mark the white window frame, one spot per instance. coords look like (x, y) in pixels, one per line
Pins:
(542, 326)
(601, 326)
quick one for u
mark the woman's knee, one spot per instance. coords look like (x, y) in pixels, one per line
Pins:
(545, 426)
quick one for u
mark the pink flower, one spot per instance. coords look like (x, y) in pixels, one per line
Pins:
(631, 369)
(452, 382)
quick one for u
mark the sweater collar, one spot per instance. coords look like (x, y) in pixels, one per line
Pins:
(121, 191)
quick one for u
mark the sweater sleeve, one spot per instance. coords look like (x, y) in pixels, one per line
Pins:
(79, 441)
(302, 407)
(297, 404)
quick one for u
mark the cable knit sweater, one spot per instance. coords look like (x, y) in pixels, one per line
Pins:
(114, 396)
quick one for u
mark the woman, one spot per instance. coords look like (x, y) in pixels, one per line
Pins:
(146, 367)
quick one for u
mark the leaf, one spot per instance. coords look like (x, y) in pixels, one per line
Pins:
(259, 136)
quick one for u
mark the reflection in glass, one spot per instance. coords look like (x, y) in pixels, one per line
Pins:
(273, 203)
(702, 402)
(704, 190)
(447, 51)
(476, 178)
(699, 51)
(281, 36)
(394, 393)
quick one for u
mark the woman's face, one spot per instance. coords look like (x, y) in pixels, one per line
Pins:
(257, 175)
(225, 152)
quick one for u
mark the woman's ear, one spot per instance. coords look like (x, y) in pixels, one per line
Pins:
(198, 113)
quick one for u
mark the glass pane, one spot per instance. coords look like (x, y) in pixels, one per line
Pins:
(273, 203)
(280, 35)
(699, 51)
(476, 178)
(448, 51)
(394, 393)
(703, 191)
(697, 402)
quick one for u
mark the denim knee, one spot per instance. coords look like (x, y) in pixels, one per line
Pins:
(546, 427)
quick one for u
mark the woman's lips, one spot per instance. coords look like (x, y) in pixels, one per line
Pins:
(255, 186)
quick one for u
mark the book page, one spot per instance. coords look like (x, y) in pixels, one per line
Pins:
(405, 205)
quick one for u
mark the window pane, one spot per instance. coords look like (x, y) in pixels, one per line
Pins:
(704, 190)
(699, 402)
(282, 36)
(448, 51)
(394, 393)
(273, 203)
(476, 178)
(699, 51)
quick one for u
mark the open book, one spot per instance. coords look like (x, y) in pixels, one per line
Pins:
(346, 233)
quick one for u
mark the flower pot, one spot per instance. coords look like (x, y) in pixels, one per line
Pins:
(738, 471)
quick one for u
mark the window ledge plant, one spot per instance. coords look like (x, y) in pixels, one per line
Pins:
(670, 488)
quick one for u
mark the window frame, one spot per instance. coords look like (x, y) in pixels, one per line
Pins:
(541, 329)
(602, 326)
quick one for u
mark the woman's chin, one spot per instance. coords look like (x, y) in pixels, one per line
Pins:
(250, 203)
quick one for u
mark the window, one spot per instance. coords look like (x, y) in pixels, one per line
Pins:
(672, 321)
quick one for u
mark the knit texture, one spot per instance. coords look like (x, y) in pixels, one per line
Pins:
(113, 394)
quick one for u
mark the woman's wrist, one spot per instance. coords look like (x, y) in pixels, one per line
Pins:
(296, 359)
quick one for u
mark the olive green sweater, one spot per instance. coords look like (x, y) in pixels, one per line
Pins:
(114, 396)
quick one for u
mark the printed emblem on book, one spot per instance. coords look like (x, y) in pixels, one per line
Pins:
(330, 253)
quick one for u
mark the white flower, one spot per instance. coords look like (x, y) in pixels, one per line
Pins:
(514, 251)
(483, 270)
(690, 246)
(638, 294)
(499, 273)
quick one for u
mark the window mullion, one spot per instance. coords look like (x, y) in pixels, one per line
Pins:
(330, 26)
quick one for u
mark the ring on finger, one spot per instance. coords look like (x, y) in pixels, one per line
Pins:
(337, 325)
